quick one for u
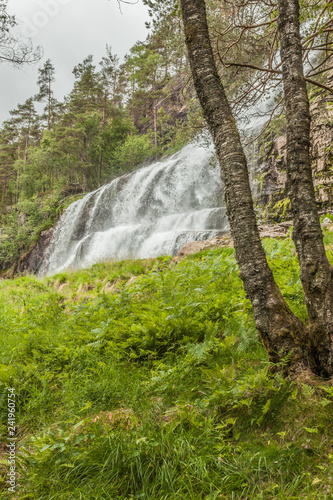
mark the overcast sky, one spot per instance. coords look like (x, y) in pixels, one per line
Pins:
(68, 31)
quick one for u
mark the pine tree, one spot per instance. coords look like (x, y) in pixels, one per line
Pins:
(144, 66)
(24, 117)
(45, 79)
(109, 79)
(10, 152)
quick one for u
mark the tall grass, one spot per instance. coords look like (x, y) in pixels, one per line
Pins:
(158, 387)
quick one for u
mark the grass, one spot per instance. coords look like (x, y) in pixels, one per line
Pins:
(146, 380)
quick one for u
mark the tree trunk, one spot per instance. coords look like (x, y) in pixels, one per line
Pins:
(49, 105)
(27, 138)
(17, 185)
(103, 128)
(4, 190)
(100, 161)
(281, 332)
(69, 168)
(26, 151)
(166, 55)
(154, 113)
(316, 271)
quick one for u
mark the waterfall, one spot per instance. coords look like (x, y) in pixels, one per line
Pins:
(150, 212)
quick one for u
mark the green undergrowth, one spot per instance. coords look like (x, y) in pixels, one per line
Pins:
(147, 380)
(22, 226)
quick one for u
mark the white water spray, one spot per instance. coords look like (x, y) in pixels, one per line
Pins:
(153, 211)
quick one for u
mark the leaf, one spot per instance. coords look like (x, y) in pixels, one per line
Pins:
(46, 447)
(266, 407)
(311, 430)
(78, 424)
(86, 407)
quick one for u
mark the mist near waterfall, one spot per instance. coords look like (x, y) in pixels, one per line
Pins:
(153, 211)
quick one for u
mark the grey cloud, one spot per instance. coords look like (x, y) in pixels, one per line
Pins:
(68, 30)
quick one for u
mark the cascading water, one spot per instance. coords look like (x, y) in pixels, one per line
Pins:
(153, 211)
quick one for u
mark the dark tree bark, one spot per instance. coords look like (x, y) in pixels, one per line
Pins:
(281, 332)
(316, 271)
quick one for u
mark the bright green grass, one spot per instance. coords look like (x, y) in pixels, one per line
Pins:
(158, 388)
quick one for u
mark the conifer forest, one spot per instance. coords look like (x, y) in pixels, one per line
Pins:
(166, 254)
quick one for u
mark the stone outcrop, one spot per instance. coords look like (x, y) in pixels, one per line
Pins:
(198, 246)
(171, 102)
(270, 170)
(322, 149)
(266, 231)
(32, 259)
(281, 230)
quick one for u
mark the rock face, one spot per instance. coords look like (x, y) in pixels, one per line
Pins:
(271, 168)
(31, 260)
(266, 231)
(322, 149)
(174, 105)
(198, 246)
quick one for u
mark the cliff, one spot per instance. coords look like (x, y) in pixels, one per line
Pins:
(270, 168)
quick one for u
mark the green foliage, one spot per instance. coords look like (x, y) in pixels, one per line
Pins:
(135, 150)
(22, 227)
(146, 379)
(106, 126)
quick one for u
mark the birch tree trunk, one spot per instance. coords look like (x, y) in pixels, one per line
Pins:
(316, 271)
(282, 333)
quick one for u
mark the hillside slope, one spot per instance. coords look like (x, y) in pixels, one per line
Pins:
(146, 379)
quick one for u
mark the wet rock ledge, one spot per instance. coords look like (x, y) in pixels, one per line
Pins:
(30, 262)
(266, 231)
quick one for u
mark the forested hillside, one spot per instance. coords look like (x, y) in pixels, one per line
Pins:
(122, 113)
(115, 117)
(118, 115)
(204, 375)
